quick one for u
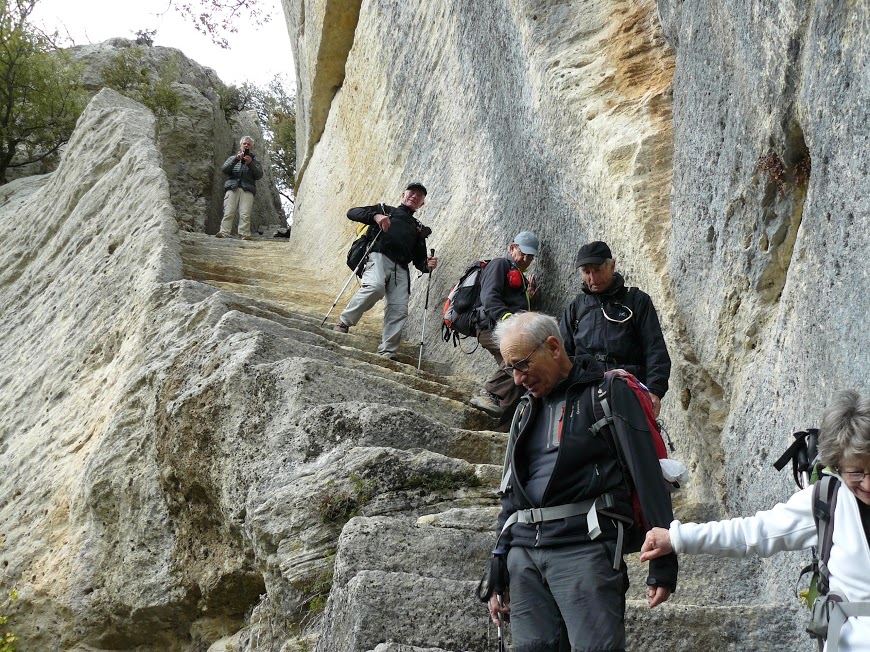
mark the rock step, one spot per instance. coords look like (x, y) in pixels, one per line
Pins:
(245, 269)
(377, 607)
(387, 565)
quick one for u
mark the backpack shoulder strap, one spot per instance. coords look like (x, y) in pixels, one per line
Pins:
(824, 505)
(521, 417)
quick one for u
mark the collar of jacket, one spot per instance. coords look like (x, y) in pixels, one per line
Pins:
(616, 288)
(405, 209)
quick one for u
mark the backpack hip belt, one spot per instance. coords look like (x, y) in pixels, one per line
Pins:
(829, 615)
(603, 504)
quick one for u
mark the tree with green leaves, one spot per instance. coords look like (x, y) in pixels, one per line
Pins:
(40, 94)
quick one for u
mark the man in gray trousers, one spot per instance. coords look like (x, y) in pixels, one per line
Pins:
(401, 239)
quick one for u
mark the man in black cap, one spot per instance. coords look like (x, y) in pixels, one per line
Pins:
(401, 240)
(615, 323)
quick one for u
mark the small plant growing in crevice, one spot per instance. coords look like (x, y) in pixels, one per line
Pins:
(771, 164)
(443, 482)
(129, 74)
(340, 506)
(802, 170)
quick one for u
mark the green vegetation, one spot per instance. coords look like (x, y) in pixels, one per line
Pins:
(340, 506)
(443, 482)
(128, 73)
(40, 94)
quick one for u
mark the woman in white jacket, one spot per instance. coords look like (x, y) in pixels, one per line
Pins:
(844, 446)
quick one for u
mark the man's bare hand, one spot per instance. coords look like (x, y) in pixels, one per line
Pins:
(656, 403)
(655, 595)
(496, 609)
(383, 221)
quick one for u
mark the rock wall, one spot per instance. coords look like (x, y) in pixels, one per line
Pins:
(719, 147)
(189, 462)
(195, 141)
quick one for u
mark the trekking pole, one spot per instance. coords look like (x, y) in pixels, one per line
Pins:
(425, 308)
(350, 278)
(500, 624)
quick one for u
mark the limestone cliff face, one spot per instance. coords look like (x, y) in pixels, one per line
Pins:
(719, 147)
(189, 462)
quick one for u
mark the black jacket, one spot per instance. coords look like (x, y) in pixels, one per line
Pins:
(405, 242)
(242, 174)
(497, 297)
(587, 467)
(636, 345)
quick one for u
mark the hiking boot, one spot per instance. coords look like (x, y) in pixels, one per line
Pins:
(341, 327)
(488, 403)
(247, 237)
(221, 234)
(389, 355)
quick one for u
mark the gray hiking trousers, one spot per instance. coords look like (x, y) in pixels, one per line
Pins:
(382, 277)
(567, 592)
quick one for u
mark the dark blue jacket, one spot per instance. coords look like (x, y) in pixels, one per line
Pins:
(636, 345)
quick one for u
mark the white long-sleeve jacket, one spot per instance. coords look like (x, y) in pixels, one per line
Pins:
(790, 526)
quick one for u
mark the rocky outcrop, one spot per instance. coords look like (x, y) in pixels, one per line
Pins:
(195, 141)
(189, 461)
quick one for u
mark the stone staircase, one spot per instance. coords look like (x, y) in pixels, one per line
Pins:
(403, 568)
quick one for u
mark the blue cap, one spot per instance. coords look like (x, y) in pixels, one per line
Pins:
(528, 243)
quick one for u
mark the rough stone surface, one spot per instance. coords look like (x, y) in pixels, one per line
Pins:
(195, 142)
(719, 147)
(189, 461)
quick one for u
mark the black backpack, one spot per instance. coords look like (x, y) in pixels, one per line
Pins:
(359, 249)
(461, 310)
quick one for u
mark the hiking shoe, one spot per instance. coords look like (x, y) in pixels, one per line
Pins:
(247, 237)
(221, 234)
(488, 403)
(341, 327)
(389, 355)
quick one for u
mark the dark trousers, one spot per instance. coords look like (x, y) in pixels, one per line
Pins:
(500, 382)
(568, 591)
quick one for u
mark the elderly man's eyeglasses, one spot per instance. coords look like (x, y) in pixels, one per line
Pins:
(523, 365)
(855, 476)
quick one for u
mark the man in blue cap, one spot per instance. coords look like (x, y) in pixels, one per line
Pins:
(504, 291)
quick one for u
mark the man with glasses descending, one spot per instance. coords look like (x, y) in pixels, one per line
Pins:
(616, 323)
(564, 499)
(504, 290)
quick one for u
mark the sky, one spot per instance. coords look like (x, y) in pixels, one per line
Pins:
(256, 53)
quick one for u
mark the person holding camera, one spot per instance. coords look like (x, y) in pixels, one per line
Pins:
(243, 170)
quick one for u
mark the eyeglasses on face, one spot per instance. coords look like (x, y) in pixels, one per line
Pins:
(854, 476)
(523, 365)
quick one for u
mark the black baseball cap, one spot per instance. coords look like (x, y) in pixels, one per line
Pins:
(416, 185)
(593, 253)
